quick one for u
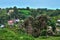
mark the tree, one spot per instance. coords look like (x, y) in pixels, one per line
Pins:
(27, 8)
(15, 9)
(53, 24)
(34, 13)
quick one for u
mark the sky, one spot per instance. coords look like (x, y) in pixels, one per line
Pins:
(50, 4)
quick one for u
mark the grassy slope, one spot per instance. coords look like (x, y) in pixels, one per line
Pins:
(25, 12)
(9, 34)
(6, 34)
(48, 38)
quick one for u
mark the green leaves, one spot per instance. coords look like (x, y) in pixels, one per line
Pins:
(8, 34)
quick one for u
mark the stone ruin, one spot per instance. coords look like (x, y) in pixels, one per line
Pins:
(34, 26)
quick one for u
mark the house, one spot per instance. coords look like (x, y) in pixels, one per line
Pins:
(58, 23)
(16, 20)
(10, 11)
(2, 26)
(10, 22)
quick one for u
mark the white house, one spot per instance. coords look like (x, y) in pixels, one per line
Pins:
(16, 20)
(58, 23)
(2, 26)
(10, 11)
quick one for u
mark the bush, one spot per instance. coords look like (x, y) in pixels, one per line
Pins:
(43, 33)
(6, 34)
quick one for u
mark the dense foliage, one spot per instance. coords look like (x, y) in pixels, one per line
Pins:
(6, 34)
(23, 13)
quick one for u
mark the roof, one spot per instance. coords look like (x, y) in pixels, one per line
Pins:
(58, 20)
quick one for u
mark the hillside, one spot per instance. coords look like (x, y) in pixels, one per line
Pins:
(6, 34)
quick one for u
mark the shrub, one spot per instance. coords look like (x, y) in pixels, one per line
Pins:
(6, 34)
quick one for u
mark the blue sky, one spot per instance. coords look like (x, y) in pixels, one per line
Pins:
(53, 4)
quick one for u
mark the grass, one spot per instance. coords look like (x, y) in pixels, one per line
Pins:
(7, 34)
(26, 12)
(16, 34)
(48, 38)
